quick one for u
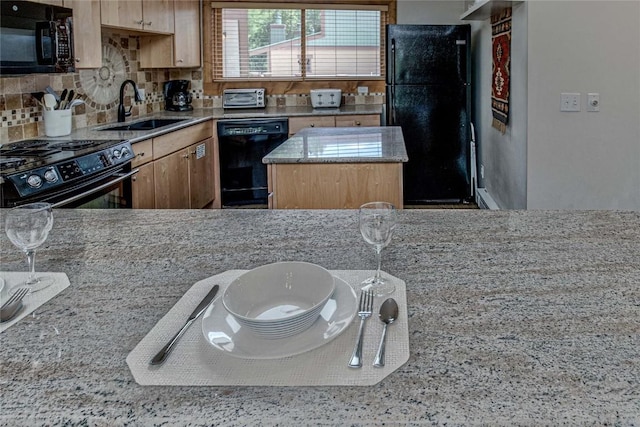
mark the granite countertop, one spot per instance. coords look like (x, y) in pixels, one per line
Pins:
(342, 145)
(515, 318)
(203, 114)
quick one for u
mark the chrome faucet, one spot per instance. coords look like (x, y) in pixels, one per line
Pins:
(121, 113)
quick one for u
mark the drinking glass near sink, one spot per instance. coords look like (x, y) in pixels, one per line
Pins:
(143, 125)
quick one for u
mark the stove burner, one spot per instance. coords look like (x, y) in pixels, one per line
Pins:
(11, 162)
(75, 145)
(25, 145)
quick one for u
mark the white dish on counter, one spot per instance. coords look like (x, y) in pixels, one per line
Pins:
(224, 333)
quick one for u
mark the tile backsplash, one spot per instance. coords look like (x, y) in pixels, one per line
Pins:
(22, 115)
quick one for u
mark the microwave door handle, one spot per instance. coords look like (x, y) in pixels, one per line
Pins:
(121, 177)
(44, 44)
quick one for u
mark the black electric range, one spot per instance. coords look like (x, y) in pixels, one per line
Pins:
(54, 170)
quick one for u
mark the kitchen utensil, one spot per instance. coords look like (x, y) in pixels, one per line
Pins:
(49, 101)
(377, 222)
(388, 315)
(13, 305)
(279, 299)
(63, 99)
(70, 98)
(38, 96)
(221, 331)
(162, 354)
(74, 103)
(27, 227)
(364, 311)
(50, 90)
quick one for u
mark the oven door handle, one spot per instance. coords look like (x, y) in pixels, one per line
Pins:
(121, 177)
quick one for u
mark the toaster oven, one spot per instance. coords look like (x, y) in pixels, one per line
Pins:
(243, 98)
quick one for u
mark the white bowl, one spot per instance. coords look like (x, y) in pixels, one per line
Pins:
(280, 298)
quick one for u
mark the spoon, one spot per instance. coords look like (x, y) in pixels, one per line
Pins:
(49, 101)
(388, 315)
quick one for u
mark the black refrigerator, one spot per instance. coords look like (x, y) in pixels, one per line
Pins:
(428, 95)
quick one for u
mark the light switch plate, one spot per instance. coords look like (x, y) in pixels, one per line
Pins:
(569, 102)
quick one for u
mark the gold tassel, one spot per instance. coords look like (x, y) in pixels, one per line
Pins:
(502, 127)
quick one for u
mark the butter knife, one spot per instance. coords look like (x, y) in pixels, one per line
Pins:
(162, 354)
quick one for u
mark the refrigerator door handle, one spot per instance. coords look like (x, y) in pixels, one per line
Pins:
(392, 102)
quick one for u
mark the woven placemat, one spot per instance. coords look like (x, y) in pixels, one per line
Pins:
(194, 362)
(32, 301)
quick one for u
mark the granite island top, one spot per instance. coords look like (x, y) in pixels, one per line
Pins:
(515, 318)
(342, 145)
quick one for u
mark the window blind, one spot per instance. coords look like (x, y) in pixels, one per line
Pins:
(294, 41)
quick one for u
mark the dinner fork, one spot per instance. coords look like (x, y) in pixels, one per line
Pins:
(365, 309)
(16, 296)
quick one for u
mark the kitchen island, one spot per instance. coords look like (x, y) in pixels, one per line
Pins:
(337, 168)
(515, 318)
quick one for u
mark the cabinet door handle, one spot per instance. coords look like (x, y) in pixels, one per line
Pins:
(312, 125)
(141, 154)
(180, 60)
(148, 23)
(185, 156)
(357, 123)
(140, 22)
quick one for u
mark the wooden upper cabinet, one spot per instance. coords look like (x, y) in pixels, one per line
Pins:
(158, 16)
(140, 15)
(87, 43)
(121, 14)
(181, 49)
(186, 45)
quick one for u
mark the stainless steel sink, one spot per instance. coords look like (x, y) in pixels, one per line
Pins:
(144, 125)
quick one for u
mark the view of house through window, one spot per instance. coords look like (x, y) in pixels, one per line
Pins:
(307, 43)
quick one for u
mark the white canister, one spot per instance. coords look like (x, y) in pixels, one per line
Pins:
(57, 122)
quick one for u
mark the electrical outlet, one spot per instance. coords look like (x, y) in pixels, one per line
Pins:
(141, 92)
(569, 102)
(593, 102)
(363, 90)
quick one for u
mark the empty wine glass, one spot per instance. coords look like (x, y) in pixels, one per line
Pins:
(27, 227)
(377, 222)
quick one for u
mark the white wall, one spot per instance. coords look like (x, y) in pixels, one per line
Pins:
(430, 11)
(584, 160)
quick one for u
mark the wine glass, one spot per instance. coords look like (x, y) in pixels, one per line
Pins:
(27, 227)
(377, 222)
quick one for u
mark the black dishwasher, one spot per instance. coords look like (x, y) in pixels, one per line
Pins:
(242, 145)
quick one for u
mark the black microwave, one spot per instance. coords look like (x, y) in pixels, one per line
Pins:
(35, 38)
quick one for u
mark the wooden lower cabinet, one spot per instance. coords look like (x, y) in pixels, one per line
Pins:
(177, 170)
(143, 188)
(184, 179)
(333, 185)
(296, 124)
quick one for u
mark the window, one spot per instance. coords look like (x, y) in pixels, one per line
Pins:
(297, 42)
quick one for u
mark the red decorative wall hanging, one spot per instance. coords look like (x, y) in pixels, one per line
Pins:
(501, 47)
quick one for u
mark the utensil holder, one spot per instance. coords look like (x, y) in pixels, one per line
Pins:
(57, 122)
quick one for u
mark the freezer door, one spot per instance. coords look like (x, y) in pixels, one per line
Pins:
(435, 125)
(427, 54)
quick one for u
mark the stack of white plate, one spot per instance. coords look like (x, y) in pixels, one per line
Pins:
(279, 300)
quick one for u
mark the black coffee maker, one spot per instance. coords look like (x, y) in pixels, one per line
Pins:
(177, 96)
